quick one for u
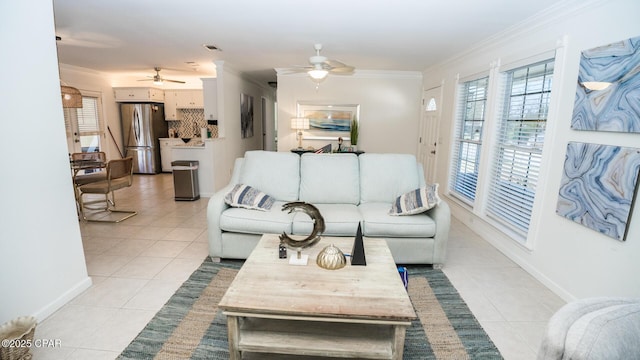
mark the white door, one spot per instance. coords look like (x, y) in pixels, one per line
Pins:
(428, 141)
(83, 126)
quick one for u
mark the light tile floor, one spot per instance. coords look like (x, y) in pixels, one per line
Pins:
(138, 264)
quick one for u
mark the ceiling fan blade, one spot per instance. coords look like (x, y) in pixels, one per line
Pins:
(145, 80)
(334, 63)
(344, 70)
(174, 81)
(319, 62)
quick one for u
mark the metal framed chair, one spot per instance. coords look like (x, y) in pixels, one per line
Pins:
(85, 162)
(119, 175)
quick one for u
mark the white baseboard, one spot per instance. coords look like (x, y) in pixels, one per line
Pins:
(58, 303)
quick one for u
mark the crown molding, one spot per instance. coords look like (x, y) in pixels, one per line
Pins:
(551, 15)
(362, 74)
(79, 69)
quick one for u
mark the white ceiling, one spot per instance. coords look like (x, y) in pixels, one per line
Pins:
(131, 37)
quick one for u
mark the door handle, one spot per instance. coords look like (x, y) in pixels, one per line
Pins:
(433, 151)
(136, 125)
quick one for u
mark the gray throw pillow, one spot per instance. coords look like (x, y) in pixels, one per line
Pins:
(416, 201)
(244, 196)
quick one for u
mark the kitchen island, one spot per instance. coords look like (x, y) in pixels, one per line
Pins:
(201, 151)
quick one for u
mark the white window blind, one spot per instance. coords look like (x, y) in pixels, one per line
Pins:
(87, 122)
(516, 165)
(468, 138)
(88, 119)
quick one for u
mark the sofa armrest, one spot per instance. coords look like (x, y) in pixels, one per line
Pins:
(215, 207)
(441, 214)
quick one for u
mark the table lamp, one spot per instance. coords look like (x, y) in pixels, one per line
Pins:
(299, 124)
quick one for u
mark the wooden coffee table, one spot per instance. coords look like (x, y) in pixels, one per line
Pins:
(356, 311)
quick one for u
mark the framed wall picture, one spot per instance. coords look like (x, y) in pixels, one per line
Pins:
(246, 115)
(599, 186)
(608, 89)
(328, 121)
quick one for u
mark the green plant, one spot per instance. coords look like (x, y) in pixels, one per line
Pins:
(354, 131)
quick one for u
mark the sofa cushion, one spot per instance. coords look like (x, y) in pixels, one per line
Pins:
(273, 221)
(330, 179)
(274, 173)
(339, 220)
(378, 222)
(608, 333)
(384, 177)
(416, 201)
(553, 343)
(245, 196)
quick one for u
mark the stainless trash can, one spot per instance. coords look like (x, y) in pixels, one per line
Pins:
(185, 179)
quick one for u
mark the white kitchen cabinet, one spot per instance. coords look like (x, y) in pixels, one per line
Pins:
(210, 92)
(189, 99)
(170, 105)
(166, 145)
(174, 100)
(131, 94)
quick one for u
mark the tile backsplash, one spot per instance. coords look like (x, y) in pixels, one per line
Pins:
(192, 121)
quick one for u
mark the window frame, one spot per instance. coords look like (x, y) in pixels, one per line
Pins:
(507, 200)
(463, 189)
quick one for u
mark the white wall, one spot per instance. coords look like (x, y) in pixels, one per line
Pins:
(389, 108)
(571, 259)
(231, 145)
(41, 258)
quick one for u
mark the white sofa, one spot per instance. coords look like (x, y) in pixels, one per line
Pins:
(347, 189)
(597, 328)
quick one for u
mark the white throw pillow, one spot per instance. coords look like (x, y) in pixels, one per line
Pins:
(416, 201)
(245, 196)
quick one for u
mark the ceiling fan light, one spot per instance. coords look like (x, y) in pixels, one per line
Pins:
(318, 74)
(157, 82)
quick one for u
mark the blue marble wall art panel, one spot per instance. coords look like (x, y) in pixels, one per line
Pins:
(598, 187)
(617, 107)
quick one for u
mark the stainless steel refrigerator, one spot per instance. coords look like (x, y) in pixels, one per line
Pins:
(142, 125)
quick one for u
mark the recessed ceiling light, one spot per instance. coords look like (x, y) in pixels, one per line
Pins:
(212, 47)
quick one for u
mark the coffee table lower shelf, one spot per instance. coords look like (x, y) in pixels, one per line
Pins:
(322, 337)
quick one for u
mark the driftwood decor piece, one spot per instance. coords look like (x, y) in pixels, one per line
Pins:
(312, 239)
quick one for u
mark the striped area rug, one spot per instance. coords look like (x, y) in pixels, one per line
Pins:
(190, 326)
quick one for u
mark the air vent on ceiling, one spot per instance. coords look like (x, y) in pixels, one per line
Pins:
(212, 47)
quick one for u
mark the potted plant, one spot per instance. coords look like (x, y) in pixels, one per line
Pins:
(354, 133)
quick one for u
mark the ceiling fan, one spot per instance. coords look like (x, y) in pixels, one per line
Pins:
(158, 80)
(320, 66)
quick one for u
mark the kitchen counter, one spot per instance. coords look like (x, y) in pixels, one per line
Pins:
(191, 144)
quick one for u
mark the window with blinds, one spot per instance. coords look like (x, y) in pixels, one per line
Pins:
(468, 139)
(516, 164)
(86, 123)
